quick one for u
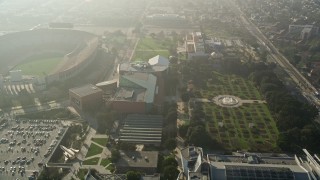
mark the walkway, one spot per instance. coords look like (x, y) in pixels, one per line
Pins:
(82, 156)
(238, 103)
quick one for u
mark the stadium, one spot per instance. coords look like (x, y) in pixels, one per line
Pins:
(52, 54)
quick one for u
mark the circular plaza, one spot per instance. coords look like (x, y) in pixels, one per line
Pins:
(227, 101)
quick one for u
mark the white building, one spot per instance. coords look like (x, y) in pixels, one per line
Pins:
(191, 159)
(195, 46)
(15, 75)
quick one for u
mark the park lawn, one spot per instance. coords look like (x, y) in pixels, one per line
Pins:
(94, 150)
(105, 162)
(92, 161)
(230, 85)
(111, 168)
(40, 67)
(149, 47)
(141, 55)
(101, 141)
(81, 173)
(149, 43)
(235, 133)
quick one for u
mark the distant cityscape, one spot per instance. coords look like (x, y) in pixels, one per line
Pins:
(151, 90)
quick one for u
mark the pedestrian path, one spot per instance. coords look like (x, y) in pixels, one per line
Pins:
(105, 154)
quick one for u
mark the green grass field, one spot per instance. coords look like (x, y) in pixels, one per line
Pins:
(81, 173)
(221, 84)
(94, 150)
(111, 168)
(92, 161)
(235, 133)
(39, 66)
(149, 47)
(105, 162)
(101, 141)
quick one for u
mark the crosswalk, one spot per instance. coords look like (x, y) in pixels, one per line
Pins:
(15, 89)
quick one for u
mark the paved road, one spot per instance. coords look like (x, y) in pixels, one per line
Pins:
(306, 87)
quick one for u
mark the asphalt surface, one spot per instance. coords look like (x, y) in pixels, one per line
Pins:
(25, 144)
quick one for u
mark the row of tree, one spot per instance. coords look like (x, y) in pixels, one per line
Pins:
(168, 167)
(294, 118)
(170, 126)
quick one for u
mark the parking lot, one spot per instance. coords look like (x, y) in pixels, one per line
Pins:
(26, 145)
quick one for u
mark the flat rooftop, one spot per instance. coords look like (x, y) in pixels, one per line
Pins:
(138, 159)
(142, 129)
(130, 94)
(85, 90)
(191, 152)
(140, 86)
(253, 166)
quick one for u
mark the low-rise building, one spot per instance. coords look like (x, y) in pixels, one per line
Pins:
(85, 97)
(195, 46)
(156, 69)
(256, 166)
(157, 66)
(142, 129)
(136, 93)
(142, 161)
(191, 159)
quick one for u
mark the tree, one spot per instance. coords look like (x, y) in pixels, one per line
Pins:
(171, 144)
(173, 60)
(185, 97)
(170, 172)
(171, 117)
(127, 146)
(198, 136)
(105, 121)
(133, 175)
(115, 155)
(183, 129)
(170, 161)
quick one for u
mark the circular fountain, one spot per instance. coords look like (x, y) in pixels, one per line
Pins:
(227, 101)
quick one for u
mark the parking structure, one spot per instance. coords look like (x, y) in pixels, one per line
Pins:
(26, 145)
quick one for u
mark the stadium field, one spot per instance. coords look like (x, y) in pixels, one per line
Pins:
(39, 66)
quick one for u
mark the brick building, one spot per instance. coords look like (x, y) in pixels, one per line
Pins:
(85, 97)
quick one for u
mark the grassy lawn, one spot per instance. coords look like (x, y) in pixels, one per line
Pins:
(149, 47)
(92, 161)
(82, 173)
(236, 133)
(105, 162)
(40, 67)
(94, 150)
(111, 168)
(101, 141)
(221, 84)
